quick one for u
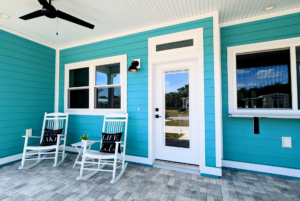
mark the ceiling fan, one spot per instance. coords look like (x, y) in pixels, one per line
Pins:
(49, 11)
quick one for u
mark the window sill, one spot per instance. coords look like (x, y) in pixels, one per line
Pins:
(283, 116)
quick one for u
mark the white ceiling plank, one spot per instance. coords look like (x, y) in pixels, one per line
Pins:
(112, 17)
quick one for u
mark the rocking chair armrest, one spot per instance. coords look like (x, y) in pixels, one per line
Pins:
(32, 136)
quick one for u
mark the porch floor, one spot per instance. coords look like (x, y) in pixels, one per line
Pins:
(45, 182)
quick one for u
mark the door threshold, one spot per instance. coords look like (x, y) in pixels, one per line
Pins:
(179, 167)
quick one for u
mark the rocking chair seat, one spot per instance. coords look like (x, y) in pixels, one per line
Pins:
(102, 155)
(42, 147)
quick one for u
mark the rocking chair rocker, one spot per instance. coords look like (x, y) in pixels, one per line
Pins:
(52, 121)
(113, 124)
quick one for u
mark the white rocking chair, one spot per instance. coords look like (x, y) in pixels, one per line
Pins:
(113, 123)
(52, 121)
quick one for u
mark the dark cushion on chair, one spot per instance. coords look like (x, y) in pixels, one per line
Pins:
(109, 142)
(50, 137)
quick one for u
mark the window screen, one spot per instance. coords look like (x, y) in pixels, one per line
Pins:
(174, 45)
(264, 79)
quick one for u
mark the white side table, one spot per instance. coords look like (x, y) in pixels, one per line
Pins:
(79, 150)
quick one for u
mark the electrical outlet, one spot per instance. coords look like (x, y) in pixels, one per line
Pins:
(287, 142)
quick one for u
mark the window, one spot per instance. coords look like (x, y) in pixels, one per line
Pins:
(79, 88)
(96, 86)
(263, 79)
(108, 88)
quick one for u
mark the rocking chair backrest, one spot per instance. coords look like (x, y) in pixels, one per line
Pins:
(54, 121)
(116, 123)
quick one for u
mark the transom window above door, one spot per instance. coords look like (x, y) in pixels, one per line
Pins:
(96, 86)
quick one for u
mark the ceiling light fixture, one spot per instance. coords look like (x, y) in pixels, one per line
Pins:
(4, 16)
(269, 7)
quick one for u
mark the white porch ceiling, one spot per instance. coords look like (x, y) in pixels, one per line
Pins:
(112, 17)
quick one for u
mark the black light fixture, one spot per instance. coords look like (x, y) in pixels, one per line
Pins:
(134, 66)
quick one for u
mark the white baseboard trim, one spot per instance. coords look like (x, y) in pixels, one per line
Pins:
(134, 159)
(10, 159)
(211, 170)
(262, 168)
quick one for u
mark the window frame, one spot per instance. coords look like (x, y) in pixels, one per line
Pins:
(232, 79)
(91, 64)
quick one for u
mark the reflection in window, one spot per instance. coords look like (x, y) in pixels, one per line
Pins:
(108, 97)
(177, 118)
(298, 73)
(108, 74)
(264, 79)
(79, 77)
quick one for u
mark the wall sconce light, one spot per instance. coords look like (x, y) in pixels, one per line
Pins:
(135, 65)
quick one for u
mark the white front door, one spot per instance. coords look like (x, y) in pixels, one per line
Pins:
(177, 111)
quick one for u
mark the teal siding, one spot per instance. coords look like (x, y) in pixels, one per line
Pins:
(136, 46)
(27, 72)
(240, 144)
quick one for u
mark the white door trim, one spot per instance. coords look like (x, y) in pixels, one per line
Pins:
(187, 54)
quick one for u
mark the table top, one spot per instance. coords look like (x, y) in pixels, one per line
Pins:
(77, 144)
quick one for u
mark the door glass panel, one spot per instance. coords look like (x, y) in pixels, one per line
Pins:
(177, 130)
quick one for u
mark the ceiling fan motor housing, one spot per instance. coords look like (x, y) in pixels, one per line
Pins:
(49, 11)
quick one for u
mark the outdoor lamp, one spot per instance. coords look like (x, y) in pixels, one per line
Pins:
(134, 65)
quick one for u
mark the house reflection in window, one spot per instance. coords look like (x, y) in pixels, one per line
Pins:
(275, 100)
(264, 79)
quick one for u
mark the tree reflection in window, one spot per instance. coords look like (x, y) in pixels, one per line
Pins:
(263, 80)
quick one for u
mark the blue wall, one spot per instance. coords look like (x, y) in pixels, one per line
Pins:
(136, 46)
(239, 142)
(27, 72)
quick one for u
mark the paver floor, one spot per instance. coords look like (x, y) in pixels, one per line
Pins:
(45, 182)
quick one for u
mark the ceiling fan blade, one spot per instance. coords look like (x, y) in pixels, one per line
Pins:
(32, 15)
(43, 2)
(75, 20)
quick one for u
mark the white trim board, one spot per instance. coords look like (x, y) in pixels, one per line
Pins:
(218, 92)
(262, 168)
(56, 93)
(261, 17)
(10, 159)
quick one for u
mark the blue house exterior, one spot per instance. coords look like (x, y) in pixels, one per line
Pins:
(229, 140)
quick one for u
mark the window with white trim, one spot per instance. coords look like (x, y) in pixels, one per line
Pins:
(96, 86)
(263, 79)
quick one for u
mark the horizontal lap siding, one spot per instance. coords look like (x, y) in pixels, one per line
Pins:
(27, 73)
(136, 46)
(239, 142)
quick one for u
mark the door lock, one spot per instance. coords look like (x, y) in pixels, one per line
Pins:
(157, 116)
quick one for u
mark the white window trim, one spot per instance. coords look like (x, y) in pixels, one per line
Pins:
(122, 59)
(232, 86)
